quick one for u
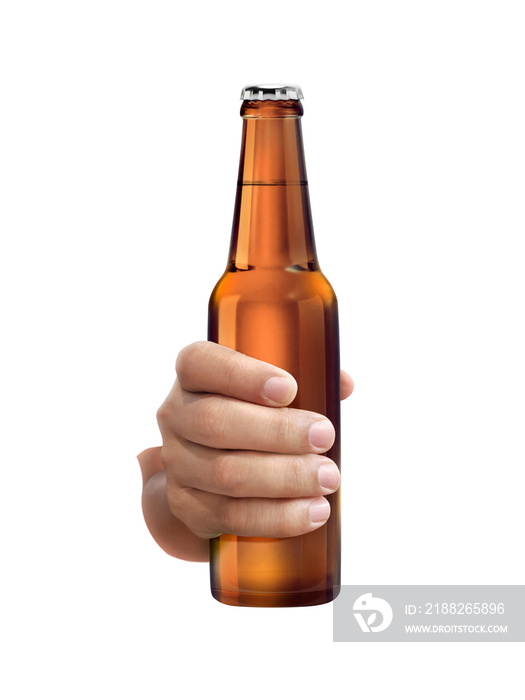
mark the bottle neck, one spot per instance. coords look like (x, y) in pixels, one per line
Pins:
(272, 226)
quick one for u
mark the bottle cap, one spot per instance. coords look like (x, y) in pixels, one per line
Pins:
(272, 92)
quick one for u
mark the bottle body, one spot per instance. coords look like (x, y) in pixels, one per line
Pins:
(289, 319)
(274, 304)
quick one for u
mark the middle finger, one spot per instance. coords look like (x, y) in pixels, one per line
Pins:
(223, 422)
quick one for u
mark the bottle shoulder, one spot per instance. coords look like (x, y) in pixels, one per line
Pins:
(269, 285)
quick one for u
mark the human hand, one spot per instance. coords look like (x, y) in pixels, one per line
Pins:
(234, 459)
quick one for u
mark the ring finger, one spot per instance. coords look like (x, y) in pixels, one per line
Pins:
(247, 473)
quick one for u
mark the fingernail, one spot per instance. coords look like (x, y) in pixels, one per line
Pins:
(319, 510)
(321, 434)
(279, 389)
(329, 477)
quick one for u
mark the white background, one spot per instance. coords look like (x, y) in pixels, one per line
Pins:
(120, 136)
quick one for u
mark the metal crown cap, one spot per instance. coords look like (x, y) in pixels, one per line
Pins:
(272, 92)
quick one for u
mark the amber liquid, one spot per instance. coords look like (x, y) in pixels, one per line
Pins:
(273, 303)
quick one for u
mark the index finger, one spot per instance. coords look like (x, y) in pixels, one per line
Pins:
(208, 367)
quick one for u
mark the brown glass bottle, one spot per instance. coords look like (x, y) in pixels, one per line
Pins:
(273, 303)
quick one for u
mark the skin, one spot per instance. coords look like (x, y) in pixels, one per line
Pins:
(234, 458)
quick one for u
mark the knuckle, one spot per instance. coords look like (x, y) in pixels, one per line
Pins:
(225, 475)
(181, 502)
(167, 411)
(175, 495)
(234, 515)
(206, 416)
(280, 522)
(294, 475)
(171, 455)
(235, 372)
(305, 474)
(187, 357)
(282, 427)
(163, 412)
(286, 519)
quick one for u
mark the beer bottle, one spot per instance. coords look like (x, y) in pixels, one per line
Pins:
(273, 303)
